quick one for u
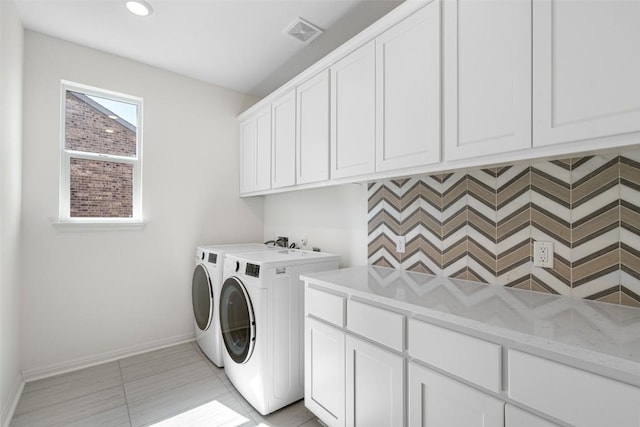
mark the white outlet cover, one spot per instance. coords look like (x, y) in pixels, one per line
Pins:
(543, 254)
(400, 243)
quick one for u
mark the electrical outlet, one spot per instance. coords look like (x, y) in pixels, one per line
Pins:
(400, 242)
(543, 254)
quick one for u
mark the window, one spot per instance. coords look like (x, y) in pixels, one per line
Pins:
(101, 156)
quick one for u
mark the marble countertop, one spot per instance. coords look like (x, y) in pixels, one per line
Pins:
(599, 337)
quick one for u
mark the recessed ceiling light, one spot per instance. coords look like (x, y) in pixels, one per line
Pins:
(139, 7)
(108, 130)
(112, 116)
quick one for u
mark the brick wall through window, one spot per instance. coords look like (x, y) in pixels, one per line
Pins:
(98, 188)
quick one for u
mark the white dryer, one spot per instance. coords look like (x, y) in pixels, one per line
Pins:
(262, 323)
(205, 289)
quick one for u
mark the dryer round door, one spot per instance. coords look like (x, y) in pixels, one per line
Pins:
(237, 320)
(202, 297)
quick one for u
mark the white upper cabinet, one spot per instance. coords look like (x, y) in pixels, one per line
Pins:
(353, 113)
(586, 67)
(408, 91)
(442, 84)
(312, 126)
(487, 77)
(283, 165)
(255, 152)
(247, 155)
(263, 151)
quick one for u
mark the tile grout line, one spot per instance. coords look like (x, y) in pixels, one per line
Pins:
(126, 401)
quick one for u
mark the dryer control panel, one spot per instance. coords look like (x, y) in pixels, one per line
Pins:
(252, 270)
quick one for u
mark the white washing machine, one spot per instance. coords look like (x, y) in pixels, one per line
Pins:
(262, 323)
(205, 290)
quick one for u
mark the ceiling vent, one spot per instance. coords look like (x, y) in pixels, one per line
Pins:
(303, 30)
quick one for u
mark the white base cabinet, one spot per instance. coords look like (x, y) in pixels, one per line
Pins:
(438, 401)
(374, 386)
(572, 395)
(370, 361)
(324, 372)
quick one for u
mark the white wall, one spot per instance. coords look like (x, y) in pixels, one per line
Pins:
(11, 55)
(93, 294)
(332, 218)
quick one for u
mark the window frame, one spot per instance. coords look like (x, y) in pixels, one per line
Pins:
(66, 156)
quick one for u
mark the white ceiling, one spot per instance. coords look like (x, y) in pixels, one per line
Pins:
(238, 44)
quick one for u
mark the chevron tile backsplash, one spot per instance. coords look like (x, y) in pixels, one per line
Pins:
(481, 225)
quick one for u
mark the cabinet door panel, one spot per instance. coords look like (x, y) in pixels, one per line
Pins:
(408, 91)
(312, 142)
(283, 166)
(487, 77)
(438, 401)
(586, 68)
(247, 155)
(353, 113)
(324, 372)
(263, 151)
(375, 386)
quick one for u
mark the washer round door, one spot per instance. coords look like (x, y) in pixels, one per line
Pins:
(202, 297)
(237, 320)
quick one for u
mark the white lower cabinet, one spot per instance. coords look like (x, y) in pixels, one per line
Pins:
(572, 395)
(438, 401)
(371, 363)
(324, 372)
(374, 386)
(516, 417)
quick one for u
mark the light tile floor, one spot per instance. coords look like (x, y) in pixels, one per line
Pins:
(176, 386)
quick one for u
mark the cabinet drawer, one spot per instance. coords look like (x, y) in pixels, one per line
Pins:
(325, 306)
(469, 358)
(517, 417)
(382, 326)
(572, 395)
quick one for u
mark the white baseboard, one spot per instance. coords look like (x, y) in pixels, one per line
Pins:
(110, 356)
(10, 403)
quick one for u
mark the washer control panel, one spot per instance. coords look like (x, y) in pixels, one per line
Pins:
(252, 270)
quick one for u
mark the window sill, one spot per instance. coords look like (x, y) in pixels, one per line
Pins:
(98, 225)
